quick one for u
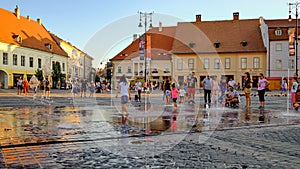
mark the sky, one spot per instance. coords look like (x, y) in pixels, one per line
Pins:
(103, 28)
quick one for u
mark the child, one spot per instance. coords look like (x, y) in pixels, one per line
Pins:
(174, 93)
(293, 91)
(181, 94)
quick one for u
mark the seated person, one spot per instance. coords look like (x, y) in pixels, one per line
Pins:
(232, 98)
(297, 100)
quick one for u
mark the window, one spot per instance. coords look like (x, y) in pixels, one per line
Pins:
(129, 70)
(5, 58)
(154, 68)
(119, 69)
(167, 68)
(278, 32)
(63, 66)
(278, 64)
(291, 64)
(227, 63)
(22, 60)
(278, 47)
(31, 62)
(244, 63)
(15, 59)
(191, 63)
(39, 63)
(179, 64)
(256, 63)
(217, 63)
(206, 63)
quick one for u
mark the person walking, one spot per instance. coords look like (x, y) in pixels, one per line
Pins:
(174, 93)
(247, 89)
(182, 94)
(167, 89)
(123, 89)
(47, 88)
(138, 87)
(284, 87)
(192, 83)
(293, 92)
(206, 83)
(262, 85)
(215, 90)
(25, 86)
(19, 85)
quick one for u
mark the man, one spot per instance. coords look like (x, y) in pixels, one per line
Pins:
(206, 83)
(231, 82)
(138, 88)
(232, 98)
(192, 83)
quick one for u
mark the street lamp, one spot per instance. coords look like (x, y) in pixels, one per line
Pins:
(295, 5)
(145, 16)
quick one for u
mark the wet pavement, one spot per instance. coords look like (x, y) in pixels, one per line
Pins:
(75, 132)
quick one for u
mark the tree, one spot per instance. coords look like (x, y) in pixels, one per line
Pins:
(56, 74)
(39, 74)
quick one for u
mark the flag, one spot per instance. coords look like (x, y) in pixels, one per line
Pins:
(141, 46)
(148, 47)
(292, 42)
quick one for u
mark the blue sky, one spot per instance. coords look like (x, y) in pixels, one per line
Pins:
(90, 24)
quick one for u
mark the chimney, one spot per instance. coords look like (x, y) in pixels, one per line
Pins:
(39, 21)
(160, 27)
(198, 18)
(235, 16)
(17, 12)
(28, 17)
(134, 37)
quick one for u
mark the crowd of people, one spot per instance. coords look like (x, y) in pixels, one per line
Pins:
(217, 90)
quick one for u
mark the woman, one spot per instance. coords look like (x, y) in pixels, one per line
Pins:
(215, 90)
(167, 89)
(247, 89)
(123, 89)
(262, 84)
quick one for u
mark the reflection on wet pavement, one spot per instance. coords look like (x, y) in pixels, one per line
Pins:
(23, 130)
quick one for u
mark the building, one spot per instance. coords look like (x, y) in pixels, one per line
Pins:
(225, 48)
(26, 46)
(159, 67)
(79, 63)
(279, 61)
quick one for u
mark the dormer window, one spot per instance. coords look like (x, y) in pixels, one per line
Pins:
(49, 46)
(17, 38)
(191, 44)
(244, 43)
(278, 32)
(217, 44)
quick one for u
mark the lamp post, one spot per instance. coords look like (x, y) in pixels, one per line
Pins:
(295, 5)
(145, 16)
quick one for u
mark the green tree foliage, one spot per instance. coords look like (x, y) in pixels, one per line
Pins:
(56, 74)
(39, 74)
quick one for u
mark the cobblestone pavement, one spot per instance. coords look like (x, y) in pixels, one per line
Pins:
(86, 133)
(274, 147)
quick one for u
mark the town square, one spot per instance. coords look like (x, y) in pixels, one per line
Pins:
(148, 87)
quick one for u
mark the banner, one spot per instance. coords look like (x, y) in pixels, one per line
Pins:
(142, 51)
(292, 42)
(148, 47)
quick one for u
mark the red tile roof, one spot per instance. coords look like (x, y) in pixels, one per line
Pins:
(229, 33)
(282, 24)
(161, 44)
(33, 34)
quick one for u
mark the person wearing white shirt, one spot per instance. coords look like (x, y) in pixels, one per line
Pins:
(123, 89)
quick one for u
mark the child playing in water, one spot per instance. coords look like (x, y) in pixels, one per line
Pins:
(181, 94)
(174, 93)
